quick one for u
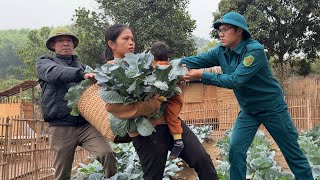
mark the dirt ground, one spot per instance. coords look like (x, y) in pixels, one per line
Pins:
(214, 152)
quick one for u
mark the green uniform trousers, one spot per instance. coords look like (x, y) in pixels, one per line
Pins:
(64, 141)
(283, 131)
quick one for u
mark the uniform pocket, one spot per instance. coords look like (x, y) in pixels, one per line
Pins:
(289, 127)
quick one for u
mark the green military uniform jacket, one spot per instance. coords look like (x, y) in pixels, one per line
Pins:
(245, 70)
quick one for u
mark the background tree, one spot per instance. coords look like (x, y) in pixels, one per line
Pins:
(90, 27)
(210, 45)
(201, 43)
(300, 66)
(34, 48)
(10, 41)
(284, 27)
(8, 82)
(304, 68)
(165, 20)
(315, 67)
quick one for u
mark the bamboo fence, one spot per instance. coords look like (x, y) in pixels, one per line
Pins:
(27, 155)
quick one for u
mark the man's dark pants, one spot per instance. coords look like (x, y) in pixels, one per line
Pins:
(65, 139)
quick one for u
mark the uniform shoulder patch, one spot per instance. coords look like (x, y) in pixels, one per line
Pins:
(248, 60)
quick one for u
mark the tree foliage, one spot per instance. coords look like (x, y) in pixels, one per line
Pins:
(299, 66)
(304, 68)
(8, 82)
(210, 45)
(10, 41)
(90, 27)
(284, 27)
(315, 67)
(201, 43)
(165, 20)
(34, 48)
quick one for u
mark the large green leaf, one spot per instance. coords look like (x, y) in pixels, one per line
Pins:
(111, 97)
(118, 126)
(144, 126)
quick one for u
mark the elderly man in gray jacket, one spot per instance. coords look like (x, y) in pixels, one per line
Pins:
(56, 75)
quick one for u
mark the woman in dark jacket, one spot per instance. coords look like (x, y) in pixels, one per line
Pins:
(153, 149)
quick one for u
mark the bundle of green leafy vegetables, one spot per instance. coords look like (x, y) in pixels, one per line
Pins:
(132, 79)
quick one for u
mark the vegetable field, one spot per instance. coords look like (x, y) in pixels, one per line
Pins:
(264, 161)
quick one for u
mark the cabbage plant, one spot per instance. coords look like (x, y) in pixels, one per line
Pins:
(132, 79)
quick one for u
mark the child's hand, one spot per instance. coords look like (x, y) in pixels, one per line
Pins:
(162, 98)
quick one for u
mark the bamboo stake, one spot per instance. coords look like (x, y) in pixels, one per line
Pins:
(308, 113)
(7, 146)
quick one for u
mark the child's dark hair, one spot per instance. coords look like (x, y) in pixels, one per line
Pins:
(160, 50)
(111, 34)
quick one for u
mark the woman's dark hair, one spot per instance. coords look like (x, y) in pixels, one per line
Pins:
(160, 50)
(111, 34)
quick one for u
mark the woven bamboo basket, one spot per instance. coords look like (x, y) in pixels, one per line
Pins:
(92, 108)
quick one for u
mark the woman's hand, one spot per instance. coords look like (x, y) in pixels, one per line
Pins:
(136, 109)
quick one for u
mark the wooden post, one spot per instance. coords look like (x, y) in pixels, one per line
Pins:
(309, 106)
(35, 150)
(33, 106)
(317, 87)
(20, 101)
(4, 164)
(7, 147)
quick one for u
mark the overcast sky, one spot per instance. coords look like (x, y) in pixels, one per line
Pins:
(16, 14)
